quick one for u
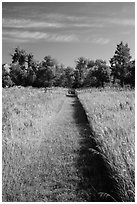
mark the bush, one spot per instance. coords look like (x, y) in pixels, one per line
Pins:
(6, 79)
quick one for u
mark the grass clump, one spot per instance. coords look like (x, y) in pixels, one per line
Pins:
(112, 118)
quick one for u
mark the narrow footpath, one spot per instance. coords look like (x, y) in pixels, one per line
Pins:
(69, 167)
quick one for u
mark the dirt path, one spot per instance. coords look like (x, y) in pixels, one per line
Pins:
(64, 154)
(65, 168)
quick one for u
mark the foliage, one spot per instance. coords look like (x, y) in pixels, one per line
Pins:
(22, 68)
(120, 63)
(98, 73)
(81, 65)
(44, 73)
(130, 74)
(26, 71)
(6, 79)
(18, 74)
(69, 77)
(102, 72)
(19, 56)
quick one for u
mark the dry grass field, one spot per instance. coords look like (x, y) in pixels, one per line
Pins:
(111, 114)
(48, 151)
(26, 113)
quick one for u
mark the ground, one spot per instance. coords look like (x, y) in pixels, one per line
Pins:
(62, 164)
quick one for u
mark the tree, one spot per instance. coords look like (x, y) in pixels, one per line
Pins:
(23, 68)
(49, 61)
(45, 72)
(59, 75)
(102, 72)
(18, 74)
(97, 74)
(30, 60)
(130, 74)
(119, 62)
(44, 75)
(18, 68)
(6, 79)
(90, 63)
(19, 56)
(91, 80)
(31, 76)
(81, 65)
(31, 70)
(69, 77)
(76, 83)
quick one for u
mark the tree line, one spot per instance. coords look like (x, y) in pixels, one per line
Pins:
(26, 71)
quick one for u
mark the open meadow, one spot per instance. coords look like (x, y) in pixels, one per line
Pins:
(58, 148)
(111, 114)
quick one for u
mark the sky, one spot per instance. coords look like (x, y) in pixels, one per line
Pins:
(67, 30)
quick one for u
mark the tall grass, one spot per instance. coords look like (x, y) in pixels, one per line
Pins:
(112, 117)
(25, 115)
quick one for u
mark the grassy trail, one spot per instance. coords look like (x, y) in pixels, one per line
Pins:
(49, 172)
(59, 177)
(65, 166)
(63, 169)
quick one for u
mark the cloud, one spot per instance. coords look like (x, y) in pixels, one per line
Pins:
(98, 40)
(121, 22)
(57, 21)
(86, 21)
(27, 23)
(62, 17)
(25, 34)
(89, 25)
(109, 21)
(31, 36)
(63, 38)
(101, 41)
